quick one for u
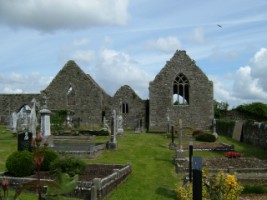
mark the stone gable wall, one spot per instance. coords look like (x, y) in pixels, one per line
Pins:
(199, 112)
(89, 102)
(136, 106)
(89, 99)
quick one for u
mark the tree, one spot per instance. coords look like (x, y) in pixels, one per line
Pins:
(220, 108)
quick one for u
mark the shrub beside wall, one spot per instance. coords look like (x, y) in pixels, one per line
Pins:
(225, 127)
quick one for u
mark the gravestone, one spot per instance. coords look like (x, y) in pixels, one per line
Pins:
(172, 144)
(45, 127)
(197, 178)
(120, 124)
(33, 119)
(25, 141)
(112, 144)
(106, 126)
(179, 151)
(237, 130)
(214, 128)
(13, 122)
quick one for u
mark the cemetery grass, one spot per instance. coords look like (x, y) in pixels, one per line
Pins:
(153, 172)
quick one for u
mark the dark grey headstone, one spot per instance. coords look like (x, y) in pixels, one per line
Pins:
(25, 141)
(197, 178)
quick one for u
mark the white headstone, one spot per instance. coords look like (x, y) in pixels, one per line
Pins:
(120, 124)
(33, 120)
(14, 119)
(45, 126)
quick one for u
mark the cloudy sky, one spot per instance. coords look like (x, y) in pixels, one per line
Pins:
(122, 42)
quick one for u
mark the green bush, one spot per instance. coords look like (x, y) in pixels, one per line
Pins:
(256, 109)
(49, 156)
(254, 189)
(206, 137)
(225, 127)
(20, 163)
(197, 132)
(69, 165)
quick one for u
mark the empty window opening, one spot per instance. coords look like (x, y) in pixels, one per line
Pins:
(181, 90)
(125, 108)
(70, 96)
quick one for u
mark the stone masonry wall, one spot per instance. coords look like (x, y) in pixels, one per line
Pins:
(76, 91)
(255, 134)
(136, 106)
(198, 113)
(12, 103)
(88, 100)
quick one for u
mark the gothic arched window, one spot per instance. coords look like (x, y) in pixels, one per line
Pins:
(70, 96)
(181, 90)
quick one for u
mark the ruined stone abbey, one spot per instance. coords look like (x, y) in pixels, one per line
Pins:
(179, 91)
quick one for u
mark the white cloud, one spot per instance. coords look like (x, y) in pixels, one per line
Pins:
(80, 42)
(168, 44)
(115, 69)
(218, 54)
(50, 15)
(18, 83)
(198, 36)
(259, 67)
(247, 87)
(84, 56)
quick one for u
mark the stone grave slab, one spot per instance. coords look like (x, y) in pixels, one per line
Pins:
(237, 131)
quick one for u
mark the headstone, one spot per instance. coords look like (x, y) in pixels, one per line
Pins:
(172, 145)
(33, 119)
(112, 144)
(69, 120)
(45, 126)
(105, 124)
(13, 124)
(25, 141)
(179, 157)
(172, 130)
(180, 132)
(190, 160)
(214, 129)
(168, 122)
(120, 124)
(197, 178)
(23, 119)
(237, 130)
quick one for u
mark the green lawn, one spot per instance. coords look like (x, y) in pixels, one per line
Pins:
(153, 172)
(153, 175)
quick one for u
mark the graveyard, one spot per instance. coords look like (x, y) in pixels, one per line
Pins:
(154, 171)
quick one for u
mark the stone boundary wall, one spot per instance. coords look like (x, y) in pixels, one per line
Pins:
(103, 187)
(97, 189)
(252, 133)
(255, 134)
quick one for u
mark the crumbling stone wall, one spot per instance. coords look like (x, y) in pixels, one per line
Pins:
(12, 103)
(198, 113)
(136, 106)
(255, 134)
(73, 90)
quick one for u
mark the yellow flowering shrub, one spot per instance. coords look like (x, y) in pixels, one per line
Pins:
(221, 187)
